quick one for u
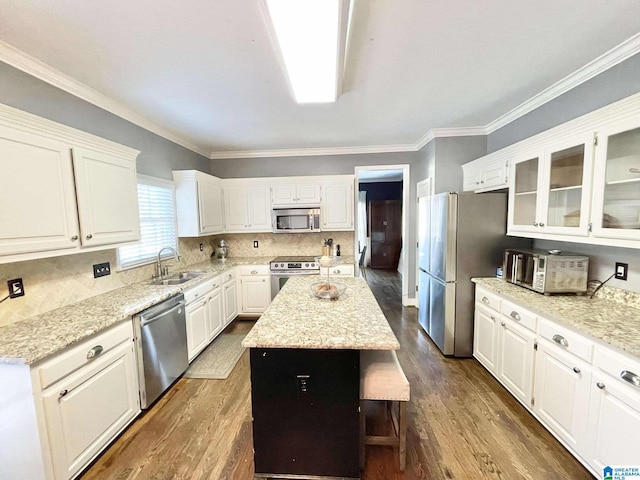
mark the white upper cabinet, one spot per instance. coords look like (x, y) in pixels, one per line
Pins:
(551, 189)
(247, 208)
(107, 198)
(37, 194)
(198, 203)
(295, 195)
(486, 174)
(336, 208)
(62, 190)
(616, 203)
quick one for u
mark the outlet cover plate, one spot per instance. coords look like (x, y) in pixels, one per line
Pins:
(16, 288)
(622, 270)
(101, 269)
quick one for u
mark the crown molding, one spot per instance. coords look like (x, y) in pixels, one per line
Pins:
(34, 67)
(307, 152)
(616, 55)
(449, 132)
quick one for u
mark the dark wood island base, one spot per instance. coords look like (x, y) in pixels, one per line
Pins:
(305, 406)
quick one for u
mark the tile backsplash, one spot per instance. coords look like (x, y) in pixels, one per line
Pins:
(52, 283)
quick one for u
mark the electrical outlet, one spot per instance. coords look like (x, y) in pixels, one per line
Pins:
(16, 288)
(622, 269)
(101, 269)
(255, 244)
(202, 247)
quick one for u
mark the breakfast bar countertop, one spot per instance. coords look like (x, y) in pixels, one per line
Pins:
(33, 339)
(297, 319)
(612, 316)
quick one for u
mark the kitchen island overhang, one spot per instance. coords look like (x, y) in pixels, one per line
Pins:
(305, 379)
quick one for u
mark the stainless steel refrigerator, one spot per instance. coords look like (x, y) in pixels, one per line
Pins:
(461, 235)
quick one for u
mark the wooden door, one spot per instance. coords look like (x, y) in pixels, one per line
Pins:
(385, 221)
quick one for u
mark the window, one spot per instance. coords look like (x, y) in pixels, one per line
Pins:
(157, 206)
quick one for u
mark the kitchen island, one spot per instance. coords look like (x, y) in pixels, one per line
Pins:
(305, 379)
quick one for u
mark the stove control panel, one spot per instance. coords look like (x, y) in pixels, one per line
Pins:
(294, 266)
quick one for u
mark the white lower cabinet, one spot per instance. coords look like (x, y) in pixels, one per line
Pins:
(229, 297)
(255, 289)
(586, 394)
(204, 315)
(341, 270)
(562, 384)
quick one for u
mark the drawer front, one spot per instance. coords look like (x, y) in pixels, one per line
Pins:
(252, 270)
(200, 290)
(84, 353)
(621, 367)
(566, 339)
(228, 276)
(344, 270)
(519, 315)
(488, 299)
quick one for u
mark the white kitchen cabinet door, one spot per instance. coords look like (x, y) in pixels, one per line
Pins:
(197, 327)
(613, 423)
(210, 208)
(562, 386)
(235, 209)
(485, 338)
(494, 175)
(308, 195)
(515, 359)
(214, 314)
(88, 408)
(229, 297)
(255, 293)
(258, 209)
(283, 195)
(337, 206)
(524, 193)
(37, 194)
(106, 189)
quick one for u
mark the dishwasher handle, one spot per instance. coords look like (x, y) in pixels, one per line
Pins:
(146, 321)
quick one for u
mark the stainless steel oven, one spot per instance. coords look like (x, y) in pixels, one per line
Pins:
(283, 268)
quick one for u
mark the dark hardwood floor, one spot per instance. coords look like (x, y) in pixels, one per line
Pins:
(462, 423)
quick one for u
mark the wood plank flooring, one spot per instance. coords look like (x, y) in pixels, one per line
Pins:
(462, 423)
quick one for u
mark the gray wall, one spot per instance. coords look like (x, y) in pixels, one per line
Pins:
(615, 84)
(610, 86)
(330, 165)
(450, 154)
(157, 157)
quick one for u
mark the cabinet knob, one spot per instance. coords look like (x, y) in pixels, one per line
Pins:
(600, 385)
(560, 340)
(535, 224)
(485, 300)
(492, 317)
(576, 369)
(542, 224)
(89, 237)
(63, 393)
(95, 351)
(503, 324)
(254, 272)
(336, 271)
(74, 238)
(515, 315)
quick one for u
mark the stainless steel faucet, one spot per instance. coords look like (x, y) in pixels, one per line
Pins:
(160, 273)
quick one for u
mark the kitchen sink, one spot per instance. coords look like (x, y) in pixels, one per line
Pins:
(177, 278)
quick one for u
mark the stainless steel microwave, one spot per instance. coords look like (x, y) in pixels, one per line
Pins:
(296, 220)
(546, 271)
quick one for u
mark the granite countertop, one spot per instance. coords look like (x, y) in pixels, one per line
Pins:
(297, 319)
(612, 316)
(31, 340)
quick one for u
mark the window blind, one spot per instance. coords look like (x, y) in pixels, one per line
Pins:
(156, 204)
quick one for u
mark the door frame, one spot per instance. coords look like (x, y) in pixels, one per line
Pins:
(404, 258)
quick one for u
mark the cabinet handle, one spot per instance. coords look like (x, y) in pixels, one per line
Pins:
(89, 237)
(254, 272)
(542, 224)
(95, 351)
(492, 317)
(503, 324)
(630, 377)
(485, 300)
(263, 280)
(576, 369)
(600, 385)
(336, 271)
(515, 315)
(74, 238)
(63, 393)
(560, 340)
(535, 224)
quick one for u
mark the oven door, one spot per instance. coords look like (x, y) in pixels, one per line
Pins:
(278, 279)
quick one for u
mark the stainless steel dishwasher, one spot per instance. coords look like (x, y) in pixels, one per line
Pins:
(161, 343)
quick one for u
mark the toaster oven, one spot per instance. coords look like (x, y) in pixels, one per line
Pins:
(545, 271)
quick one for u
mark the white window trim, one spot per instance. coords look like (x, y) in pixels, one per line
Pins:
(157, 182)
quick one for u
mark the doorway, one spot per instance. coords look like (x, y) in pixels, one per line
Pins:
(373, 183)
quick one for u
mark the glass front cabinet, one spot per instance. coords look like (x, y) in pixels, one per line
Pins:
(616, 199)
(550, 189)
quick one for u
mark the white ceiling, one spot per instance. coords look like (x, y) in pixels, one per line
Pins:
(205, 73)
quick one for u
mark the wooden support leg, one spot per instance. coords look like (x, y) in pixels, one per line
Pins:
(402, 447)
(363, 433)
